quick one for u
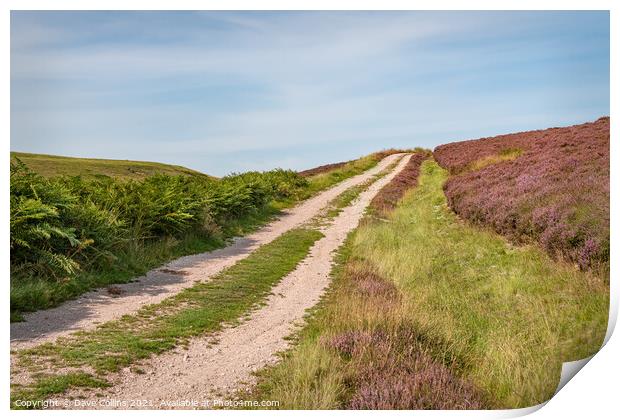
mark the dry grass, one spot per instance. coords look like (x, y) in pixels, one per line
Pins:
(428, 312)
(548, 186)
(510, 315)
(503, 156)
(360, 350)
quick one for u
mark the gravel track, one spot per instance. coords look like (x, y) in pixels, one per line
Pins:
(99, 306)
(215, 366)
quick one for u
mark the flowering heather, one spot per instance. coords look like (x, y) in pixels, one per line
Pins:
(367, 283)
(423, 384)
(393, 371)
(387, 198)
(372, 285)
(377, 156)
(353, 342)
(556, 191)
(391, 367)
(323, 168)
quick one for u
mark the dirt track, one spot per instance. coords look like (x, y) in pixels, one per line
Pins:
(217, 365)
(99, 306)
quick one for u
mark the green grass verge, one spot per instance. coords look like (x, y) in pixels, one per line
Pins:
(345, 198)
(321, 182)
(500, 317)
(203, 308)
(325, 180)
(309, 376)
(511, 313)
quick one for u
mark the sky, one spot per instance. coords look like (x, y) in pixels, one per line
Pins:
(224, 92)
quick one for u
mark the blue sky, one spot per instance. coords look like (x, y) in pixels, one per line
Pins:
(233, 91)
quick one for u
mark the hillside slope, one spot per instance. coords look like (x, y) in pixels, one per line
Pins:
(52, 165)
(551, 186)
(428, 312)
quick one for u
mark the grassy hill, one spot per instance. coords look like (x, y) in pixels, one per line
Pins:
(51, 165)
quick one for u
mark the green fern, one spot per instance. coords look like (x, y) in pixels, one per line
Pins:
(64, 224)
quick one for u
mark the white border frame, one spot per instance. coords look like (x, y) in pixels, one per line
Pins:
(592, 393)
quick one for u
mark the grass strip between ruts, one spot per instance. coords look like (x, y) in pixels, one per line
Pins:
(203, 308)
(498, 317)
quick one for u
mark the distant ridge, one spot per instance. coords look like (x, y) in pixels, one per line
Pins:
(52, 165)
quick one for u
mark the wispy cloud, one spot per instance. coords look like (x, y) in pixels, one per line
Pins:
(226, 92)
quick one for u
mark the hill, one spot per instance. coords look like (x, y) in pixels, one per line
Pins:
(551, 186)
(52, 165)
